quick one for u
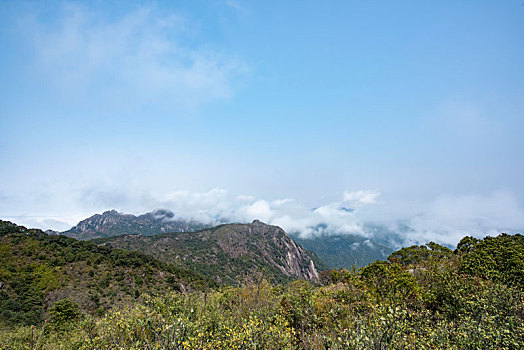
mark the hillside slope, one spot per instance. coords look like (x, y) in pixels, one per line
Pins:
(423, 297)
(37, 269)
(228, 253)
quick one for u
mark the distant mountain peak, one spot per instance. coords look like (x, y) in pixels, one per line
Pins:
(113, 223)
(111, 212)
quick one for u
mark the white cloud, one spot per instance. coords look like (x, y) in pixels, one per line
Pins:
(361, 197)
(291, 215)
(246, 198)
(218, 205)
(450, 217)
(58, 223)
(260, 209)
(137, 58)
(445, 219)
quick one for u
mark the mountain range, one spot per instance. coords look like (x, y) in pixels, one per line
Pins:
(331, 250)
(229, 253)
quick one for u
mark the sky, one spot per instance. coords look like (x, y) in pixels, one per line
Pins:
(298, 113)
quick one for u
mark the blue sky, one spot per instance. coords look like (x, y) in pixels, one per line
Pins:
(410, 111)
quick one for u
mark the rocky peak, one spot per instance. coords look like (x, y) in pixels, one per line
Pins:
(112, 223)
(111, 213)
(273, 243)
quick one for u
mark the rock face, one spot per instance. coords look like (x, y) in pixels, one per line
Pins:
(112, 223)
(297, 262)
(228, 253)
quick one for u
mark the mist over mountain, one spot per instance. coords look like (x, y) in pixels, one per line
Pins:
(345, 250)
(443, 220)
(335, 249)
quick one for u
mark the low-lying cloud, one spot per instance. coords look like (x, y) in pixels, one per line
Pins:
(445, 219)
(451, 217)
(218, 206)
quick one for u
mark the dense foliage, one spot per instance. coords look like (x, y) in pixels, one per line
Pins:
(424, 297)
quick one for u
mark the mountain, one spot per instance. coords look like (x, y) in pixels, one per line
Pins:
(37, 269)
(338, 250)
(335, 250)
(112, 223)
(344, 251)
(228, 253)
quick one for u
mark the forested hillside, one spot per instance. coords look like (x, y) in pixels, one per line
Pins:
(422, 297)
(37, 270)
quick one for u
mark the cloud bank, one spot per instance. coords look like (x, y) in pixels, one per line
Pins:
(450, 217)
(445, 219)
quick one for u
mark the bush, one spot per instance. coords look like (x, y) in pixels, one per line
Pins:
(63, 313)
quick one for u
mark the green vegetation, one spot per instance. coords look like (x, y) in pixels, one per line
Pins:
(423, 254)
(423, 297)
(496, 258)
(37, 269)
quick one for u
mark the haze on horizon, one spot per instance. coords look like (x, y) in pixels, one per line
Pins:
(290, 112)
